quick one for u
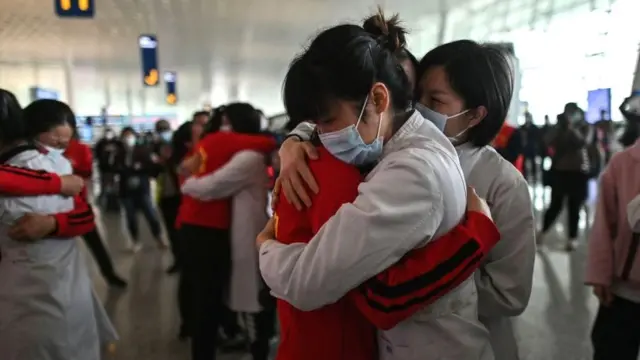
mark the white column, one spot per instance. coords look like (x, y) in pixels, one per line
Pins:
(68, 81)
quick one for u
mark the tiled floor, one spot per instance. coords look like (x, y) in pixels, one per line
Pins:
(555, 326)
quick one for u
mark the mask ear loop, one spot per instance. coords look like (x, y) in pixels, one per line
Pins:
(366, 99)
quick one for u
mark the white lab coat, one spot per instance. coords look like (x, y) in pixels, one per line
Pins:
(244, 178)
(505, 279)
(415, 193)
(48, 310)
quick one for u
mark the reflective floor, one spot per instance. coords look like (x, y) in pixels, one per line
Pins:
(556, 324)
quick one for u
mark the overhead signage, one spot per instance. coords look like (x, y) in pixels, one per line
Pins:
(75, 8)
(149, 58)
(170, 79)
(41, 93)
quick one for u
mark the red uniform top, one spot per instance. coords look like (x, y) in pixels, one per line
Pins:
(502, 140)
(419, 279)
(215, 150)
(337, 331)
(16, 181)
(81, 158)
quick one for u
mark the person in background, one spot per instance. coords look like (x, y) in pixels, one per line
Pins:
(201, 117)
(171, 150)
(569, 173)
(183, 146)
(136, 165)
(105, 152)
(81, 159)
(47, 307)
(630, 109)
(162, 135)
(508, 143)
(205, 236)
(243, 179)
(465, 75)
(545, 133)
(530, 141)
(611, 262)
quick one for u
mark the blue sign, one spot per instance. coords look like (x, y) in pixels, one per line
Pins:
(75, 8)
(40, 93)
(149, 58)
(598, 101)
(170, 79)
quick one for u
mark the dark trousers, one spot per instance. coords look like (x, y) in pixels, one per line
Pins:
(616, 331)
(206, 269)
(99, 251)
(530, 167)
(169, 209)
(570, 185)
(134, 203)
(261, 326)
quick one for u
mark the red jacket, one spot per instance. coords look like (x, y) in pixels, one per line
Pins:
(215, 150)
(16, 181)
(81, 158)
(419, 279)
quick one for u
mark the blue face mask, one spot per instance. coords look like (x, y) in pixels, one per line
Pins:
(440, 120)
(166, 135)
(348, 146)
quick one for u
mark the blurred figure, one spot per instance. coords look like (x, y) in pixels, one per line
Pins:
(568, 173)
(545, 131)
(508, 143)
(201, 117)
(630, 109)
(81, 159)
(170, 149)
(105, 152)
(162, 135)
(243, 179)
(612, 255)
(136, 165)
(530, 135)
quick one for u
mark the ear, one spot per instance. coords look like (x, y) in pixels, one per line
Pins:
(479, 114)
(381, 97)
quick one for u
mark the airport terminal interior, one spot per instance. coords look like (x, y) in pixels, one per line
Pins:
(125, 66)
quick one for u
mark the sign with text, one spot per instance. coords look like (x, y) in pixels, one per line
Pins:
(170, 79)
(75, 8)
(149, 58)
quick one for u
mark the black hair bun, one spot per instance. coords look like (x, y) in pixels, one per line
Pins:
(389, 33)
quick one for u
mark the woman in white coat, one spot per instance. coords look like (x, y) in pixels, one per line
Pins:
(453, 78)
(48, 310)
(351, 86)
(244, 179)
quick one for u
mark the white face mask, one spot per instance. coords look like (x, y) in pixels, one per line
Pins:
(130, 141)
(52, 151)
(226, 128)
(109, 136)
(633, 214)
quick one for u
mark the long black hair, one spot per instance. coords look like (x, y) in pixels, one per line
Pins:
(12, 127)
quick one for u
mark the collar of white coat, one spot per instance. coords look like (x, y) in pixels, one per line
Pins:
(410, 126)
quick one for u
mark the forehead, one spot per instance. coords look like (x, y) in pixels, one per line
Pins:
(435, 79)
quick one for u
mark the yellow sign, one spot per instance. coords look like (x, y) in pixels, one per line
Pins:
(152, 78)
(75, 8)
(172, 99)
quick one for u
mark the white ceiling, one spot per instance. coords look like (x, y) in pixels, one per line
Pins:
(245, 45)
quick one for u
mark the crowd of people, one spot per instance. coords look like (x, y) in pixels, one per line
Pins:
(398, 231)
